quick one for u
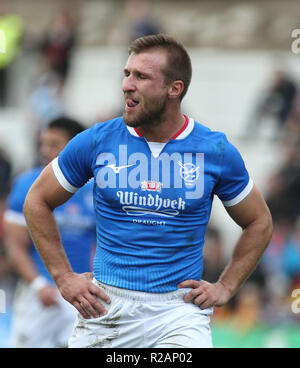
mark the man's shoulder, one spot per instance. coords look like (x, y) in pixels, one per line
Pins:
(203, 132)
(96, 133)
(109, 125)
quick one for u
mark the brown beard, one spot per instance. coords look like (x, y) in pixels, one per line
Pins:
(150, 116)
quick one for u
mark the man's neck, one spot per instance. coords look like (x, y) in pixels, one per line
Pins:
(165, 130)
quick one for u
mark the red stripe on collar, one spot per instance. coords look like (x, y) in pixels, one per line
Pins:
(138, 132)
(181, 130)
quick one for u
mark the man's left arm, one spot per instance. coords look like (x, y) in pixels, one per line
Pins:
(253, 215)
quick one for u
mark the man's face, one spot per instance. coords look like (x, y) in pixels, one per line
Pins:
(53, 141)
(144, 88)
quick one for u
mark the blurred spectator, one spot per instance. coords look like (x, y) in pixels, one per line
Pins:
(282, 257)
(45, 104)
(5, 181)
(248, 307)
(292, 126)
(277, 307)
(213, 257)
(11, 26)
(142, 21)
(5, 173)
(276, 102)
(281, 261)
(283, 198)
(46, 100)
(58, 44)
(283, 194)
(213, 265)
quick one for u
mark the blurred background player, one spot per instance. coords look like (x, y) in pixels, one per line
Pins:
(41, 318)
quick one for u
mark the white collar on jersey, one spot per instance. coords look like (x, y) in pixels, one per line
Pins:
(157, 147)
(183, 133)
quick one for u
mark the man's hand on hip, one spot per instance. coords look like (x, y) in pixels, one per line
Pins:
(205, 294)
(82, 293)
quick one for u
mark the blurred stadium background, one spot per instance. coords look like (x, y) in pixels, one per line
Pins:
(67, 57)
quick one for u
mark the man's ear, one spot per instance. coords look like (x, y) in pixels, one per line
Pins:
(175, 89)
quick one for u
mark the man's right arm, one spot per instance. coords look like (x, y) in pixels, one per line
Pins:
(43, 197)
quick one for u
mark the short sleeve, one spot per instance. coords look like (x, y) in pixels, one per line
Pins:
(234, 183)
(73, 166)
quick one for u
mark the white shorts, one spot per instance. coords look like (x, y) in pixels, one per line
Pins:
(144, 320)
(37, 326)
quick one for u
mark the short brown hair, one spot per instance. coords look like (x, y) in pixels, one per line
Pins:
(179, 62)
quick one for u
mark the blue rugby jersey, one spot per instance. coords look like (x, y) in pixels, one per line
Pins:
(75, 219)
(152, 201)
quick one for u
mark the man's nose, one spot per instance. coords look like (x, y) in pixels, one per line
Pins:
(128, 84)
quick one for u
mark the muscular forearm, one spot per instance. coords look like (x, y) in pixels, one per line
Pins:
(246, 255)
(45, 234)
(253, 216)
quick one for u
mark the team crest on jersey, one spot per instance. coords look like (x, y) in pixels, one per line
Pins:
(189, 173)
(151, 185)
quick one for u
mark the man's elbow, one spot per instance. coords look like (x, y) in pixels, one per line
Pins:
(267, 227)
(30, 205)
(27, 206)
